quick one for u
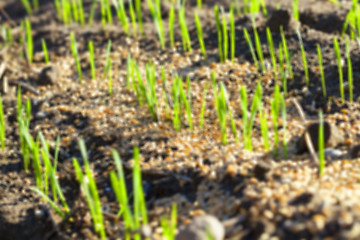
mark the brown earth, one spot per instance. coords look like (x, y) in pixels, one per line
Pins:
(255, 195)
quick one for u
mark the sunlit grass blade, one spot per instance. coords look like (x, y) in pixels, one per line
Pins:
(140, 211)
(321, 144)
(303, 57)
(287, 54)
(155, 10)
(76, 55)
(203, 105)
(272, 51)
(259, 48)
(184, 30)
(225, 37)
(232, 33)
(340, 71)
(171, 25)
(88, 185)
(92, 60)
(165, 94)
(29, 41)
(220, 35)
(45, 51)
(295, 9)
(282, 70)
(275, 106)
(350, 71)
(200, 35)
(251, 47)
(119, 187)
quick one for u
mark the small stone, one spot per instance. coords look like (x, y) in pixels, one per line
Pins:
(283, 18)
(47, 76)
(261, 169)
(333, 154)
(200, 227)
(355, 151)
(332, 137)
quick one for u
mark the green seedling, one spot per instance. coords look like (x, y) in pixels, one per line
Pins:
(131, 221)
(350, 71)
(271, 50)
(283, 115)
(303, 56)
(121, 14)
(34, 147)
(103, 12)
(171, 25)
(264, 129)
(132, 17)
(282, 71)
(286, 52)
(27, 6)
(225, 36)
(50, 173)
(76, 55)
(220, 35)
(51, 202)
(221, 111)
(139, 15)
(184, 30)
(107, 59)
(139, 198)
(251, 47)
(147, 90)
(176, 103)
(155, 10)
(88, 185)
(2, 126)
(322, 75)
(232, 33)
(29, 41)
(259, 48)
(119, 187)
(92, 12)
(165, 95)
(352, 20)
(199, 3)
(108, 11)
(295, 8)
(200, 35)
(92, 60)
(275, 107)
(249, 122)
(321, 144)
(45, 51)
(169, 227)
(339, 62)
(75, 11)
(203, 105)
(23, 123)
(81, 12)
(187, 102)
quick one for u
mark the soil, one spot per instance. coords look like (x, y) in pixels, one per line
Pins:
(254, 194)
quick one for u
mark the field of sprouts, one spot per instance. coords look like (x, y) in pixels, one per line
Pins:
(161, 119)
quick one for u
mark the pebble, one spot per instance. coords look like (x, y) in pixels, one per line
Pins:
(200, 227)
